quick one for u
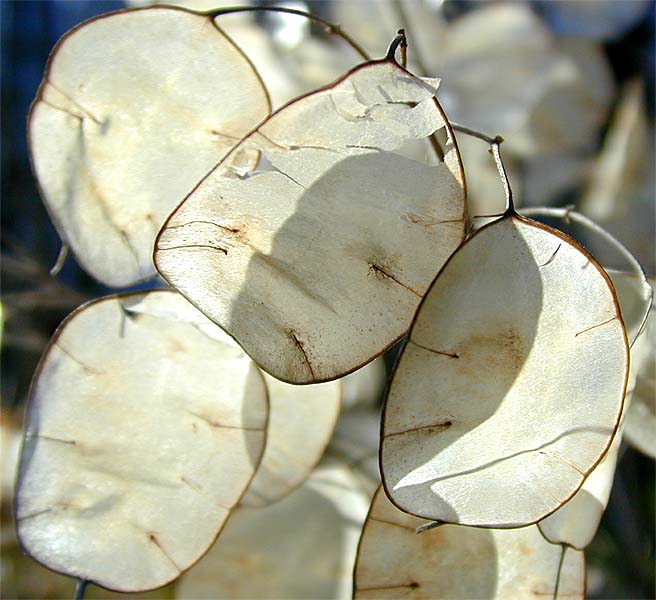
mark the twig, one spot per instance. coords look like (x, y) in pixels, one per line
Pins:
(329, 27)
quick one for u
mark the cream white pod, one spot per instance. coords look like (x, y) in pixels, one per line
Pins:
(301, 422)
(135, 107)
(510, 387)
(316, 265)
(452, 561)
(301, 547)
(577, 521)
(143, 432)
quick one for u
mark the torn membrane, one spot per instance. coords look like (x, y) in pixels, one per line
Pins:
(316, 263)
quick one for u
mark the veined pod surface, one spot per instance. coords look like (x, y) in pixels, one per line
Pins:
(316, 263)
(135, 107)
(452, 561)
(510, 387)
(576, 523)
(143, 431)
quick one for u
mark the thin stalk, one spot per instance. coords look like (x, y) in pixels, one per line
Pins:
(80, 589)
(496, 152)
(428, 526)
(61, 259)
(561, 562)
(399, 40)
(477, 134)
(329, 27)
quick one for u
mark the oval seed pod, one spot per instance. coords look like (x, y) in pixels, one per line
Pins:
(301, 422)
(135, 107)
(317, 265)
(142, 434)
(452, 561)
(510, 387)
(636, 299)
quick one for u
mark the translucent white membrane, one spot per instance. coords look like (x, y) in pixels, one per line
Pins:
(143, 431)
(453, 561)
(301, 547)
(640, 424)
(317, 264)
(135, 107)
(577, 521)
(301, 422)
(510, 388)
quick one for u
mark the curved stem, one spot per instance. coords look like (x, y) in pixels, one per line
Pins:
(495, 143)
(399, 40)
(61, 259)
(568, 214)
(331, 28)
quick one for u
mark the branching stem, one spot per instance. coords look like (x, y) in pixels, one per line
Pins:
(329, 27)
